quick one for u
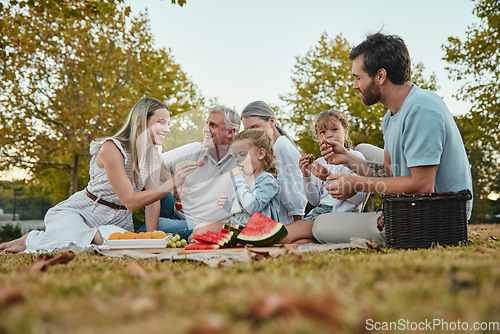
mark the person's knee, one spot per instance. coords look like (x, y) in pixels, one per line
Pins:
(167, 206)
(318, 231)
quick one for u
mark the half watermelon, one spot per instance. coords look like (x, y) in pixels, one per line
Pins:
(261, 230)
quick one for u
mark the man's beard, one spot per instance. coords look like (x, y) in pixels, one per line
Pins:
(371, 95)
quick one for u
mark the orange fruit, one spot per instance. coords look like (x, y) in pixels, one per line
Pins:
(129, 235)
(115, 236)
(159, 235)
(144, 235)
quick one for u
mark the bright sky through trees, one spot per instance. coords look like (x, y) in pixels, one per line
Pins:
(240, 51)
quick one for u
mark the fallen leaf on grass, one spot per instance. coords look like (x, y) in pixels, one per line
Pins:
(10, 295)
(135, 270)
(44, 260)
(475, 233)
(365, 243)
(295, 253)
(259, 255)
(486, 250)
(321, 308)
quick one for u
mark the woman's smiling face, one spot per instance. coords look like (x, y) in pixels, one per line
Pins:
(159, 125)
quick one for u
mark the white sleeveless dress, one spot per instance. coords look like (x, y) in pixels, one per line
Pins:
(77, 219)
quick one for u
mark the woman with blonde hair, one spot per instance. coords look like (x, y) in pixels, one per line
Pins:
(124, 176)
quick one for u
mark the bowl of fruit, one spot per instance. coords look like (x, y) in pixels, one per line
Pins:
(155, 239)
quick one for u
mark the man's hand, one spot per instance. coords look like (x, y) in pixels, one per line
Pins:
(334, 152)
(181, 192)
(343, 185)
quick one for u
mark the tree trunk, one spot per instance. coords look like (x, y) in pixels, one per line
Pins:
(73, 186)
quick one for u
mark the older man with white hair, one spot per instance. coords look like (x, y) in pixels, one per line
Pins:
(206, 183)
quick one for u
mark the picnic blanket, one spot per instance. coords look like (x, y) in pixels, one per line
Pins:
(223, 256)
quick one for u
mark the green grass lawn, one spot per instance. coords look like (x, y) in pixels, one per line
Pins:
(347, 291)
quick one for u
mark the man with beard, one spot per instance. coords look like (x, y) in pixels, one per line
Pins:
(197, 201)
(423, 148)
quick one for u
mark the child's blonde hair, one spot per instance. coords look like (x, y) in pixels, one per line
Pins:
(326, 116)
(260, 139)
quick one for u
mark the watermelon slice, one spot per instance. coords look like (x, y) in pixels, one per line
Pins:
(207, 239)
(261, 230)
(201, 246)
(221, 236)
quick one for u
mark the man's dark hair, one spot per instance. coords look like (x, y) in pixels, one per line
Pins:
(385, 51)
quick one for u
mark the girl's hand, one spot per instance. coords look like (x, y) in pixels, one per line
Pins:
(305, 165)
(320, 171)
(333, 152)
(221, 201)
(182, 170)
(236, 171)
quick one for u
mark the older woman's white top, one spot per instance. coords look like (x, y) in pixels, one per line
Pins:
(292, 195)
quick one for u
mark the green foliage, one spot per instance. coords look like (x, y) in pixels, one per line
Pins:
(474, 62)
(9, 232)
(322, 80)
(69, 73)
(185, 128)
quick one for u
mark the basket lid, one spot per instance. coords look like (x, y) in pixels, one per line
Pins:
(463, 194)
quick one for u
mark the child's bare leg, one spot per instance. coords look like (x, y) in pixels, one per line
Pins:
(15, 246)
(300, 232)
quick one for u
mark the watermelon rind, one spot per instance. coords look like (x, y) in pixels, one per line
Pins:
(273, 237)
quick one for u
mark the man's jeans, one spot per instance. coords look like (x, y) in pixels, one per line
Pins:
(169, 222)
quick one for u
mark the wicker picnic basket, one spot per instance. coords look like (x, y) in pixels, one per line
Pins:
(420, 221)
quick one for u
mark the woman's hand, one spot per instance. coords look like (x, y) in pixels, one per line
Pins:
(221, 201)
(182, 170)
(334, 152)
(320, 171)
(305, 165)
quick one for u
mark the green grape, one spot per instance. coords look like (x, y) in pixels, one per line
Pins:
(178, 244)
(177, 237)
(184, 242)
(171, 244)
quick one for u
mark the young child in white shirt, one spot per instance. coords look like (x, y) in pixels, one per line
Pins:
(331, 125)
